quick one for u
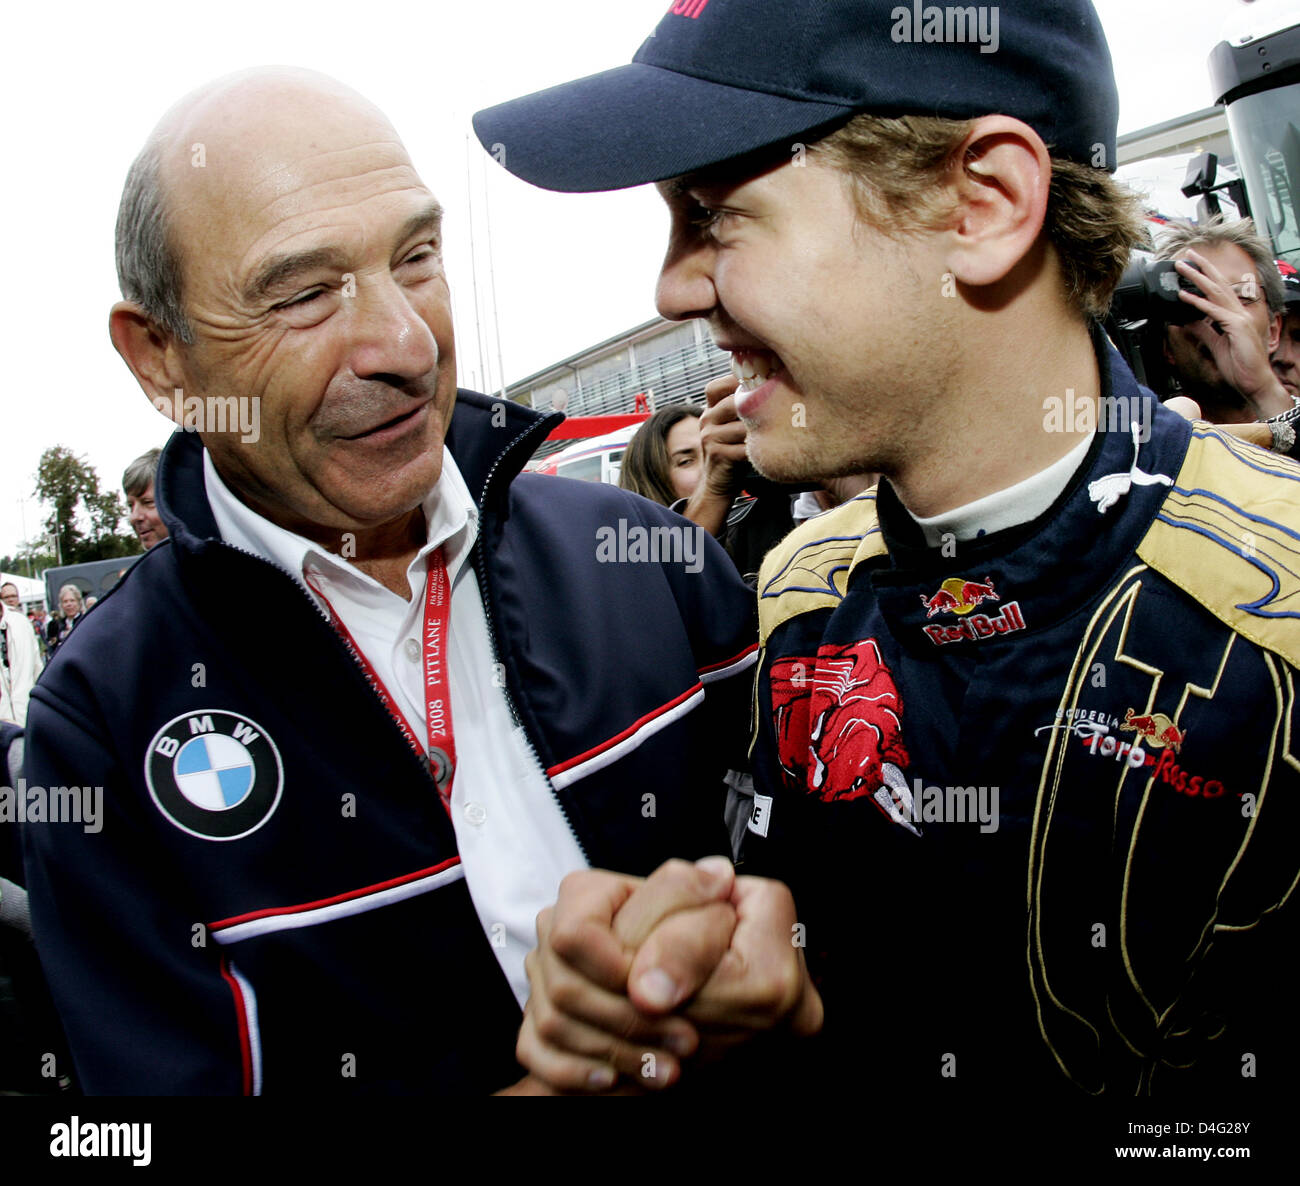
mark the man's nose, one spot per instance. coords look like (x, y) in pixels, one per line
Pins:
(685, 288)
(390, 336)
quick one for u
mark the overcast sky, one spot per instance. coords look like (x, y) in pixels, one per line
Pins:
(84, 83)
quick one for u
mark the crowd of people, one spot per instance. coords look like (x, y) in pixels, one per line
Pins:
(946, 757)
(20, 668)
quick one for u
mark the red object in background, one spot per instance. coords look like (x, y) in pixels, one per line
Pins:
(577, 428)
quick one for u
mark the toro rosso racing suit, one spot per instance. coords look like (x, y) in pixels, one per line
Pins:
(1037, 795)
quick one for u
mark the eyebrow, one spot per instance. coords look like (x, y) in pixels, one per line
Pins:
(277, 271)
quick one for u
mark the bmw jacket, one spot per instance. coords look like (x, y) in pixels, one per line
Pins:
(325, 940)
(1038, 794)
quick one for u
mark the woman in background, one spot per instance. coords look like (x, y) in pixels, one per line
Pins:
(72, 604)
(663, 460)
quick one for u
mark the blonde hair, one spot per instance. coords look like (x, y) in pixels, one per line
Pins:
(899, 165)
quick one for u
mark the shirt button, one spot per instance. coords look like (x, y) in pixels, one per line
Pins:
(475, 813)
(412, 649)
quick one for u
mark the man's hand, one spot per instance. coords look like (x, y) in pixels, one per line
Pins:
(1255, 434)
(722, 441)
(1238, 353)
(622, 964)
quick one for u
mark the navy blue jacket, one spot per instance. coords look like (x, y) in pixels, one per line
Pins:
(328, 947)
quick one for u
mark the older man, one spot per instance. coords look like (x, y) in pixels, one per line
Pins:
(20, 663)
(330, 823)
(1286, 358)
(1222, 360)
(142, 509)
(72, 607)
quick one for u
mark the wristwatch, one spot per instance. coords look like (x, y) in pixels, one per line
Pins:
(1283, 428)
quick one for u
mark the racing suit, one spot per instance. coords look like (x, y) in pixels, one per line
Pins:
(1038, 794)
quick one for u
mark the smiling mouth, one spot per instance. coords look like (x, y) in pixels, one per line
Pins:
(754, 368)
(395, 422)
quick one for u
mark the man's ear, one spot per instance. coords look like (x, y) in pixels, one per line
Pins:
(1275, 332)
(1002, 185)
(152, 355)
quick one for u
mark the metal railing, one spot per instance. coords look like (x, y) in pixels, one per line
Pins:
(676, 377)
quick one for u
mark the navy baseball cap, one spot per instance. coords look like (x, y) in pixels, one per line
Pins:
(719, 79)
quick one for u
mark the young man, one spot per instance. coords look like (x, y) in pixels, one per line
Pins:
(1025, 717)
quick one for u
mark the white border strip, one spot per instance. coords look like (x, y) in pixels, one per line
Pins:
(361, 905)
(731, 669)
(628, 744)
(250, 1019)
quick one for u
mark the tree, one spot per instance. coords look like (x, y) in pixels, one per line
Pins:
(84, 519)
(31, 559)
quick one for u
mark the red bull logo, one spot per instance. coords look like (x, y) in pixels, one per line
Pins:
(1156, 729)
(958, 596)
(979, 626)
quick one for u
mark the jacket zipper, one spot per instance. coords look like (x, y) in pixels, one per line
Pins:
(480, 569)
(480, 566)
(351, 650)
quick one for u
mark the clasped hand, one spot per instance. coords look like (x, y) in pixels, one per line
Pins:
(632, 977)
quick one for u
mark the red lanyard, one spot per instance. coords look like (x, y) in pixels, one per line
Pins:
(441, 754)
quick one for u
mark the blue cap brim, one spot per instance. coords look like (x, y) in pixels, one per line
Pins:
(640, 123)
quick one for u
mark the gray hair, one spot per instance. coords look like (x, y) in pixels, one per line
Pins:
(148, 268)
(1181, 234)
(77, 593)
(140, 473)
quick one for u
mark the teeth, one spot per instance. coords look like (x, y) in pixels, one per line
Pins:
(753, 370)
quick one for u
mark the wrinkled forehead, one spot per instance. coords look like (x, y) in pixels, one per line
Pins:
(1230, 259)
(244, 172)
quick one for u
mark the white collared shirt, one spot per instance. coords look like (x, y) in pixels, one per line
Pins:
(1015, 505)
(514, 840)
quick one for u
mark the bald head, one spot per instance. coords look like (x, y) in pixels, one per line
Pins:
(245, 127)
(293, 277)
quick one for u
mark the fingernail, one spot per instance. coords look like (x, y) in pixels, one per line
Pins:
(679, 1044)
(715, 869)
(658, 989)
(601, 1078)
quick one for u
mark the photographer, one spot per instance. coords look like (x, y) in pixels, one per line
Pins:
(1286, 357)
(1221, 361)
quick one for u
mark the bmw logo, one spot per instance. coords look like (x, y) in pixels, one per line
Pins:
(214, 774)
